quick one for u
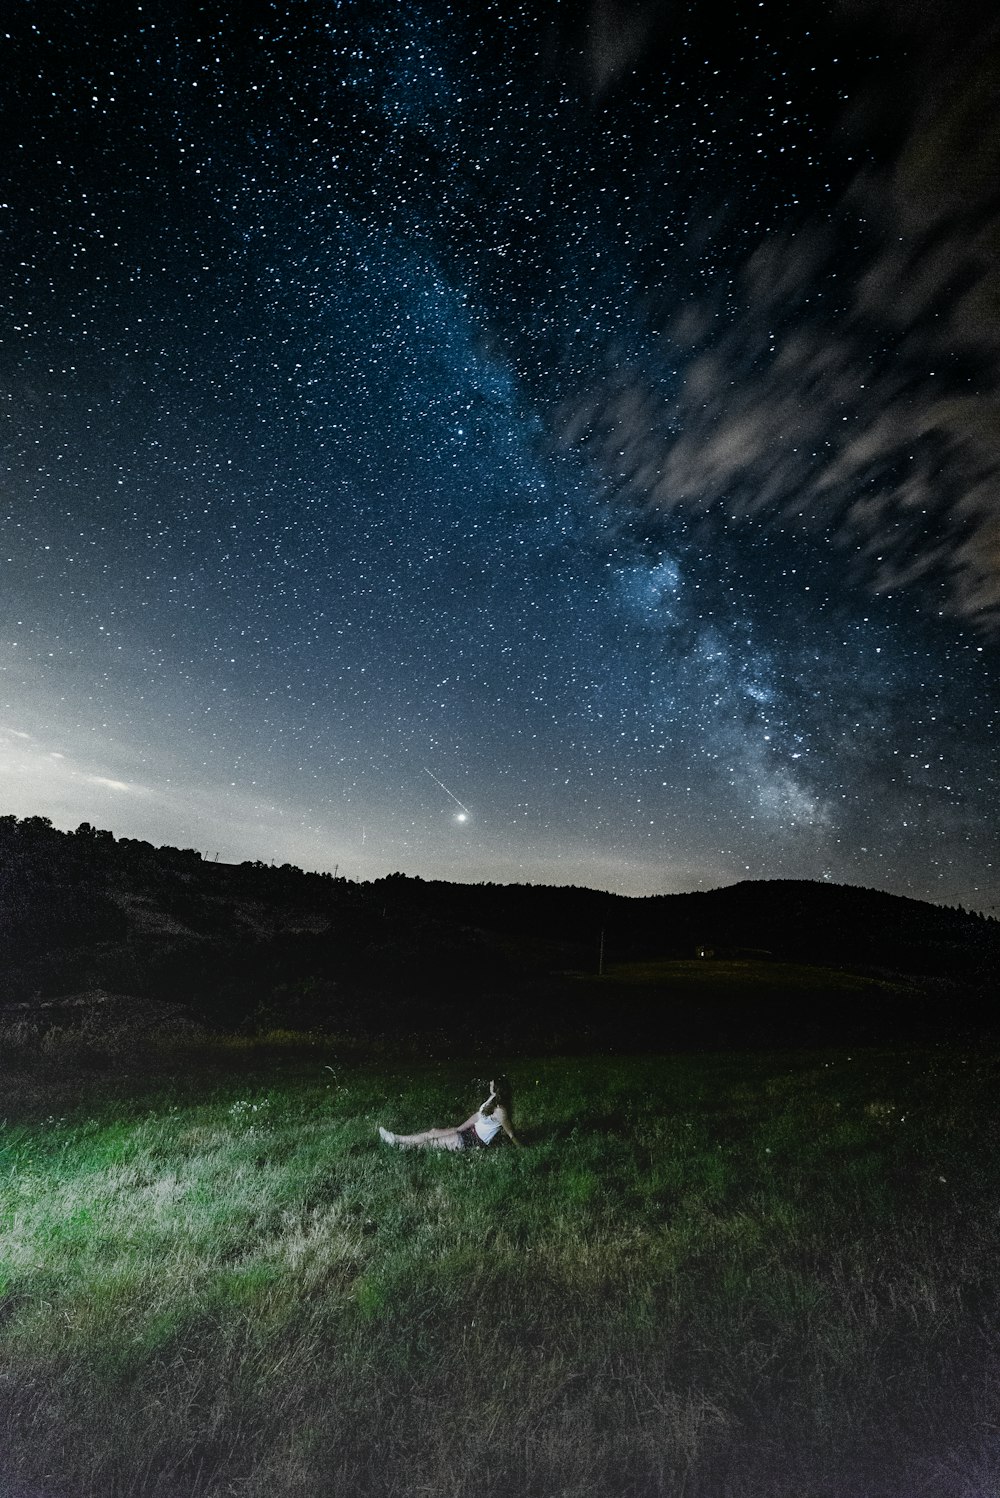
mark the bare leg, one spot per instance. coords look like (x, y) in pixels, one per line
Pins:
(442, 1139)
(432, 1139)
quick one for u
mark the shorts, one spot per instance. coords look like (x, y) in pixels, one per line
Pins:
(470, 1139)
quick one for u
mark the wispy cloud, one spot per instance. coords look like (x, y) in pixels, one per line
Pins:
(34, 774)
(81, 782)
(854, 391)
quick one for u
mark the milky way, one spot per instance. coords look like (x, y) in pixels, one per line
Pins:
(597, 405)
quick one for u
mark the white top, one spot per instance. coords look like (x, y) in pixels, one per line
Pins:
(487, 1126)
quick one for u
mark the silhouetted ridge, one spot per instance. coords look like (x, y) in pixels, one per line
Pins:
(251, 943)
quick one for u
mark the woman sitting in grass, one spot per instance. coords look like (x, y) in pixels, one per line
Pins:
(486, 1125)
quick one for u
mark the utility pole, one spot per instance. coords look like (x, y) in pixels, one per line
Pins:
(600, 959)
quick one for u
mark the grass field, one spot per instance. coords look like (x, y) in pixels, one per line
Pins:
(704, 1275)
(748, 980)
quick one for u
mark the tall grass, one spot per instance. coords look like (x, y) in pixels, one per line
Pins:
(704, 1275)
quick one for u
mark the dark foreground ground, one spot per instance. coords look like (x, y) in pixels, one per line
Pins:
(714, 1271)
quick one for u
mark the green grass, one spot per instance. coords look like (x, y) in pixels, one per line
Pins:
(751, 978)
(707, 1275)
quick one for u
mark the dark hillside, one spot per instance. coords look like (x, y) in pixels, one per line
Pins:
(251, 944)
(795, 920)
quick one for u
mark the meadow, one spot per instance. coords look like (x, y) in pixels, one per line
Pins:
(704, 1275)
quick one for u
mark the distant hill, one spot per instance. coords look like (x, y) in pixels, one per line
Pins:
(252, 944)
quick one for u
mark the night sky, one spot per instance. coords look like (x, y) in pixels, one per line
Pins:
(506, 442)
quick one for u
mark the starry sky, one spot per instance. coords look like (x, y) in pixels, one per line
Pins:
(539, 442)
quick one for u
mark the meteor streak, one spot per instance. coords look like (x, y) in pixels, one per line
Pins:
(465, 809)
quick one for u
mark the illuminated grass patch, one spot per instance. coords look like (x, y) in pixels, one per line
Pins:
(705, 1275)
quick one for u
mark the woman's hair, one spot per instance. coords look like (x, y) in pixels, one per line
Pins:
(504, 1092)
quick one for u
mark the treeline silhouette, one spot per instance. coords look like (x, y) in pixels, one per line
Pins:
(256, 945)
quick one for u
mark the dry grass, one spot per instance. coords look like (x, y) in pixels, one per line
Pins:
(705, 1276)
